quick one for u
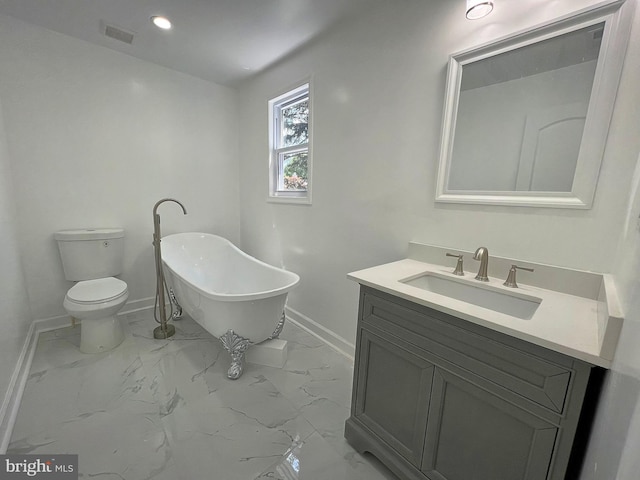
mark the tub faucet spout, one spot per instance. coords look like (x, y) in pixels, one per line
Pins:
(482, 254)
(156, 218)
(164, 330)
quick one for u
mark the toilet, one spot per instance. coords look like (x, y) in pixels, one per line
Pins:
(92, 258)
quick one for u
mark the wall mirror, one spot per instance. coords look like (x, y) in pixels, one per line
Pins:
(526, 117)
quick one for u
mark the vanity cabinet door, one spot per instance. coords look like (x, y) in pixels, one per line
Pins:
(392, 394)
(472, 433)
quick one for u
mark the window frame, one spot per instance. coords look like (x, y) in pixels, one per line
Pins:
(277, 152)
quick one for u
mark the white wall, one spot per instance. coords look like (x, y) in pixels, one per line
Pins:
(378, 97)
(615, 440)
(623, 394)
(15, 318)
(95, 138)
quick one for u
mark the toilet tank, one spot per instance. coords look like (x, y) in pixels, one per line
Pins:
(91, 253)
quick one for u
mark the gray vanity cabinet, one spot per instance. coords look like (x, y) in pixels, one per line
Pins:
(436, 397)
(392, 399)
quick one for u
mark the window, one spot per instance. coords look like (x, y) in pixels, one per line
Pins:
(289, 141)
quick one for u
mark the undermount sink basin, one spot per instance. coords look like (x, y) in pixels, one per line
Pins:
(515, 304)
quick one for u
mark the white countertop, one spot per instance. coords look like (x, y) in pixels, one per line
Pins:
(583, 328)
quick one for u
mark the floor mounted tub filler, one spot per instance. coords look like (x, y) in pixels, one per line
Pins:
(233, 296)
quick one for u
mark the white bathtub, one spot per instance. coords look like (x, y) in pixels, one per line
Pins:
(232, 295)
(222, 288)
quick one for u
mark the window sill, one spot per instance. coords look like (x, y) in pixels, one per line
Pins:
(306, 200)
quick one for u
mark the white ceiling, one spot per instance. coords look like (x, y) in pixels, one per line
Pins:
(223, 41)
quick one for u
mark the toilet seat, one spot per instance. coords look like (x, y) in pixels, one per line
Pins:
(96, 291)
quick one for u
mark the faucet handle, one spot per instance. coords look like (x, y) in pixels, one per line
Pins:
(458, 271)
(511, 278)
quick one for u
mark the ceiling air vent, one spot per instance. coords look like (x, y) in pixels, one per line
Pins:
(118, 34)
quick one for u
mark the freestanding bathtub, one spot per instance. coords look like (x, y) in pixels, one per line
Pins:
(235, 297)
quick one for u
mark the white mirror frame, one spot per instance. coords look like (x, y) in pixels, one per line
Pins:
(605, 85)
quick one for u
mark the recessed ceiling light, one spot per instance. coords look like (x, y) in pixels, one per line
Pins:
(161, 22)
(478, 8)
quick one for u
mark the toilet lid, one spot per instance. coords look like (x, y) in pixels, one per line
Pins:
(97, 291)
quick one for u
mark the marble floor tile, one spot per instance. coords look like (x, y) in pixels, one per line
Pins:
(81, 386)
(164, 409)
(115, 443)
(241, 430)
(313, 459)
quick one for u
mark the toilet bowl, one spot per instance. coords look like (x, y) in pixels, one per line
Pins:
(92, 257)
(95, 303)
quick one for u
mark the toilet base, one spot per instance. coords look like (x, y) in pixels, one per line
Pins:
(100, 334)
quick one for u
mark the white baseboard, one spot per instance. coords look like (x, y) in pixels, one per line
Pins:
(335, 341)
(138, 305)
(9, 409)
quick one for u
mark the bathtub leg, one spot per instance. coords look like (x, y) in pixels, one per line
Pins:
(236, 346)
(276, 333)
(177, 313)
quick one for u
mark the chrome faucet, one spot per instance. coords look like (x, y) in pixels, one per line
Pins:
(482, 254)
(164, 330)
(459, 267)
(511, 278)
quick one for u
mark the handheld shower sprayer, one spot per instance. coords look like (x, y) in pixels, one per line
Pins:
(165, 330)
